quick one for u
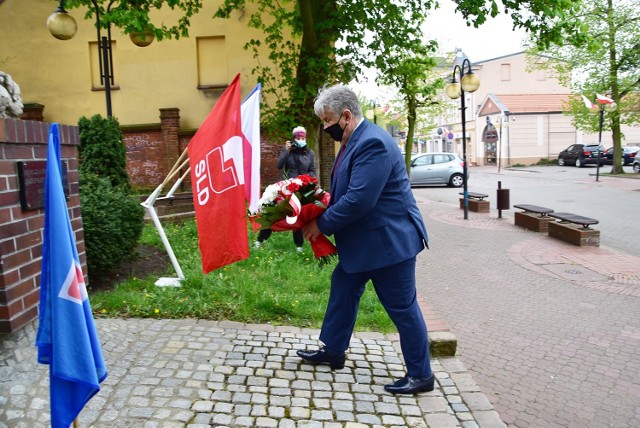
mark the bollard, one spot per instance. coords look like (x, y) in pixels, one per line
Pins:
(502, 199)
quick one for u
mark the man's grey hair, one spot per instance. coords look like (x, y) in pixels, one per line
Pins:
(336, 99)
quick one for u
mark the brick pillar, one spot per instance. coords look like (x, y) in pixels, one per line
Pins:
(21, 229)
(33, 111)
(326, 155)
(170, 129)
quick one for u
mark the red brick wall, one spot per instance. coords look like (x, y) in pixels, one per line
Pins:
(325, 155)
(21, 231)
(269, 173)
(145, 156)
(152, 150)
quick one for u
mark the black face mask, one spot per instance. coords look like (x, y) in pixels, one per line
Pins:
(335, 132)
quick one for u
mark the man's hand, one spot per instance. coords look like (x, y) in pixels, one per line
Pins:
(287, 145)
(311, 231)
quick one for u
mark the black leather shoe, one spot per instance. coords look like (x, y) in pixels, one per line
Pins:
(411, 385)
(322, 356)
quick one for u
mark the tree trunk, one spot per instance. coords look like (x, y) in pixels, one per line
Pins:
(411, 120)
(616, 167)
(314, 44)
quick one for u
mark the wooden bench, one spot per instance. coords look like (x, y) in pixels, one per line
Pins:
(475, 202)
(574, 229)
(533, 217)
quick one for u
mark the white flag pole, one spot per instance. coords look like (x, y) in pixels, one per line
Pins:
(164, 282)
(178, 183)
(148, 204)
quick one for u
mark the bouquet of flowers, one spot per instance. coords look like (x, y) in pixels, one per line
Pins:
(290, 204)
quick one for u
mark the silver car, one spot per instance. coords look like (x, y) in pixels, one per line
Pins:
(437, 168)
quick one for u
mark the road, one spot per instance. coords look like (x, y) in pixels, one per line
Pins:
(550, 331)
(614, 201)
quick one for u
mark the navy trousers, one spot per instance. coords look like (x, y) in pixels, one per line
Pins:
(395, 286)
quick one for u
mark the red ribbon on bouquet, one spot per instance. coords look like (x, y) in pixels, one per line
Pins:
(322, 247)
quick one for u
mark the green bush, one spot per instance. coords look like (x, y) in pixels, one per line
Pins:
(547, 161)
(102, 151)
(112, 222)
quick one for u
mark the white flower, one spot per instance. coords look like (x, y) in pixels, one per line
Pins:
(269, 195)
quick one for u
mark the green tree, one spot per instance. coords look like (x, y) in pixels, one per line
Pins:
(313, 43)
(409, 69)
(604, 60)
(331, 42)
(550, 20)
(134, 15)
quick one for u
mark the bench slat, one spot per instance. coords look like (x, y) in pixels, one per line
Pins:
(575, 218)
(475, 195)
(543, 211)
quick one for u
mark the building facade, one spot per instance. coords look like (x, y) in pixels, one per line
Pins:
(524, 106)
(64, 75)
(176, 81)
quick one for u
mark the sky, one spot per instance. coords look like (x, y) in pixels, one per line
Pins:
(493, 39)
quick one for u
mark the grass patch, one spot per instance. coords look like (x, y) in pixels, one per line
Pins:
(275, 285)
(546, 161)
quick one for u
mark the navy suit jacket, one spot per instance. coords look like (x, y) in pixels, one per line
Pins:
(372, 214)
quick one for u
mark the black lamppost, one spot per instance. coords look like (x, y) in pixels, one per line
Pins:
(62, 26)
(374, 104)
(469, 82)
(609, 106)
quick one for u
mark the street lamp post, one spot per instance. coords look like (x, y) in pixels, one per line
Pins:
(599, 141)
(374, 104)
(469, 82)
(62, 26)
(609, 106)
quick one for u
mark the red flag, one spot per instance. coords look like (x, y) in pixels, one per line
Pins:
(215, 157)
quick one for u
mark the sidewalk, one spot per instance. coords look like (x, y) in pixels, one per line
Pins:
(195, 373)
(548, 329)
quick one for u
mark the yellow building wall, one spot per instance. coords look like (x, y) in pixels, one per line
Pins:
(58, 74)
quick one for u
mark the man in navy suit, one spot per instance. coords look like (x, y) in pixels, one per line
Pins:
(378, 231)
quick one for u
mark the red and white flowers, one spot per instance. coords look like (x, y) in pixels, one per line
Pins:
(290, 204)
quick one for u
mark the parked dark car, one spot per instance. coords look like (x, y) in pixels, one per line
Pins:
(628, 155)
(581, 155)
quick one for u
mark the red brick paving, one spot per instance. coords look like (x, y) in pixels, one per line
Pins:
(548, 330)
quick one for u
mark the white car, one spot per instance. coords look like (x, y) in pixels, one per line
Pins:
(437, 168)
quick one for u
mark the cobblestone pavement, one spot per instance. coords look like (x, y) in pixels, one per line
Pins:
(190, 373)
(550, 331)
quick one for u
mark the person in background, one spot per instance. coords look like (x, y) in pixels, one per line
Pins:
(295, 159)
(378, 230)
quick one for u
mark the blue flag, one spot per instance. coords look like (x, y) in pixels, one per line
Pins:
(67, 339)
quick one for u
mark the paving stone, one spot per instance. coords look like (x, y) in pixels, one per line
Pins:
(369, 419)
(476, 401)
(231, 392)
(387, 408)
(392, 420)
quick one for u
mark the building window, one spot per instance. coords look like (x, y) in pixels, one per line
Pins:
(212, 62)
(505, 71)
(95, 63)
